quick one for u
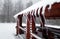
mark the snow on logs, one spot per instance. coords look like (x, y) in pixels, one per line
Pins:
(42, 3)
(30, 33)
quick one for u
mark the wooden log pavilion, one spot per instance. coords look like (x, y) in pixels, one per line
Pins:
(41, 11)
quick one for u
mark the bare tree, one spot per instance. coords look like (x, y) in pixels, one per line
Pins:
(7, 9)
(18, 6)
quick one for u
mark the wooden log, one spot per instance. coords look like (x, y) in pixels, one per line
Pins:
(54, 12)
(28, 27)
(33, 26)
(19, 23)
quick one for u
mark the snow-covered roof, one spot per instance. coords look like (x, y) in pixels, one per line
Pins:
(41, 3)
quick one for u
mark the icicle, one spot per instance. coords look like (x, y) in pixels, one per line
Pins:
(37, 12)
(49, 7)
(32, 12)
(43, 10)
(48, 3)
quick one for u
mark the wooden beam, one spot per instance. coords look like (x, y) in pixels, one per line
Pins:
(19, 23)
(34, 35)
(28, 27)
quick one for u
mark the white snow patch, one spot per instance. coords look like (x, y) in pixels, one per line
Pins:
(7, 30)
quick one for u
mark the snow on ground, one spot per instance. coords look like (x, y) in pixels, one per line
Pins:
(7, 30)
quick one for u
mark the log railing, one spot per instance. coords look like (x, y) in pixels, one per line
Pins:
(47, 33)
(32, 34)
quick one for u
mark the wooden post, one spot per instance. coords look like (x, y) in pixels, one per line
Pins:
(33, 26)
(17, 29)
(42, 23)
(50, 35)
(28, 27)
(47, 14)
(19, 23)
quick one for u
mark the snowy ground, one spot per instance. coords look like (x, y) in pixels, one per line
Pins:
(7, 30)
